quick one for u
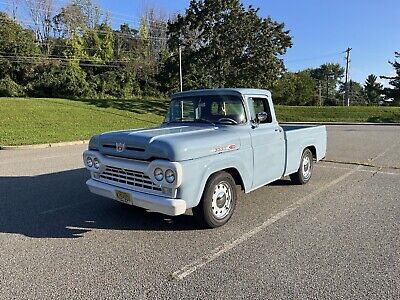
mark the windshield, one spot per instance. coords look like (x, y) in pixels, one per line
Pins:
(222, 109)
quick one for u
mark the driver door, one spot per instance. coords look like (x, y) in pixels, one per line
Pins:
(268, 143)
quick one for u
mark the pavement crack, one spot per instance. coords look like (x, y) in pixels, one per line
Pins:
(362, 164)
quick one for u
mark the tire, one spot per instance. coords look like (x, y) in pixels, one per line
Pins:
(304, 173)
(218, 201)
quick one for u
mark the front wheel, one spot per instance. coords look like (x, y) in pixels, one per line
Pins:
(303, 174)
(218, 202)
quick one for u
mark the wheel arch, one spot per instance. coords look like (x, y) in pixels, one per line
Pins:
(313, 150)
(234, 172)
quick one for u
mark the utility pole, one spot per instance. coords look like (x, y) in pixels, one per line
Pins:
(347, 84)
(319, 93)
(180, 67)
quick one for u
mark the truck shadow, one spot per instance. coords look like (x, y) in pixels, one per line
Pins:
(60, 206)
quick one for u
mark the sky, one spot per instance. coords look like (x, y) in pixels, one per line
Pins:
(321, 29)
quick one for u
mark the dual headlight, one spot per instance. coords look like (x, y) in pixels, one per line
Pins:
(93, 162)
(169, 175)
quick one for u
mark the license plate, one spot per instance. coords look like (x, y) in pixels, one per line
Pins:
(124, 197)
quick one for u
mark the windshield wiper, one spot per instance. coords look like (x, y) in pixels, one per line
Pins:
(204, 121)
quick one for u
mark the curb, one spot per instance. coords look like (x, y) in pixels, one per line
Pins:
(341, 123)
(44, 146)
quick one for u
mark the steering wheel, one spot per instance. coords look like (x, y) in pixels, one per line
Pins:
(228, 120)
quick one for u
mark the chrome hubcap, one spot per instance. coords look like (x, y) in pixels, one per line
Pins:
(306, 167)
(221, 200)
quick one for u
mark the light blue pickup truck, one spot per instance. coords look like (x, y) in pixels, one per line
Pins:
(212, 141)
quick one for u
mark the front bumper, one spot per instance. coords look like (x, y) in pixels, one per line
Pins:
(168, 206)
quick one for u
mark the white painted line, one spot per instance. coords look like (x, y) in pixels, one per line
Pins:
(384, 152)
(217, 252)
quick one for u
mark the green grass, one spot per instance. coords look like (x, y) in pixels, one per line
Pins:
(35, 121)
(359, 114)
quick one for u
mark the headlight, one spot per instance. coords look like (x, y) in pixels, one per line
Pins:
(96, 163)
(89, 162)
(169, 176)
(158, 174)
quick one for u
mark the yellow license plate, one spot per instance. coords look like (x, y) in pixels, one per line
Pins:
(124, 197)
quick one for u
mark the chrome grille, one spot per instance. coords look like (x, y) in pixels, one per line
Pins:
(131, 178)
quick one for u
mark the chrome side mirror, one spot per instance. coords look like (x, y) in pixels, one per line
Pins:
(262, 117)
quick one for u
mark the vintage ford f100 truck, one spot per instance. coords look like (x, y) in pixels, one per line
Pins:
(211, 142)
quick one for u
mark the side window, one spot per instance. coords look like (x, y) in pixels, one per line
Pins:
(261, 105)
(214, 108)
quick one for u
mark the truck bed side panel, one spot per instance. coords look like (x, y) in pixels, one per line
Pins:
(300, 137)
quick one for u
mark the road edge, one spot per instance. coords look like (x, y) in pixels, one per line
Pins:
(340, 123)
(44, 146)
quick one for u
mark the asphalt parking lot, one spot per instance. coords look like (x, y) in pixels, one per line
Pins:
(335, 238)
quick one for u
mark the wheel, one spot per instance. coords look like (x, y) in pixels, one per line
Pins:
(218, 201)
(303, 174)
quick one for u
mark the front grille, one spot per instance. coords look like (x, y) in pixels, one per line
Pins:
(131, 178)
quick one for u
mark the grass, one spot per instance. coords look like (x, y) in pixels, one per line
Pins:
(35, 121)
(358, 114)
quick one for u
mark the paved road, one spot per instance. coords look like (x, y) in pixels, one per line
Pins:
(335, 238)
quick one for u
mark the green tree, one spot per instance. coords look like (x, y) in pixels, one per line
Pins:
(328, 78)
(394, 81)
(373, 89)
(19, 54)
(226, 45)
(356, 92)
(295, 89)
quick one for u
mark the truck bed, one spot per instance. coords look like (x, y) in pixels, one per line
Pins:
(299, 137)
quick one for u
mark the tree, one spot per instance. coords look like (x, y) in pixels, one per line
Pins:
(356, 92)
(12, 7)
(18, 51)
(295, 89)
(394, 81)
(373, 89)
(328, 78)
(41, 13)
(226, 45)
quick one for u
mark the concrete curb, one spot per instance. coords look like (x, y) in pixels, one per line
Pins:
(44, 146)
(341, 123)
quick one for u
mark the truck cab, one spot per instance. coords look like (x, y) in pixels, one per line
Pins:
(211, 142)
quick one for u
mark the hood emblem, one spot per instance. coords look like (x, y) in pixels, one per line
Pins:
(120, 147)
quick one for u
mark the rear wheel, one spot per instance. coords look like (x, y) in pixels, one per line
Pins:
(303, 174)
(218, 202)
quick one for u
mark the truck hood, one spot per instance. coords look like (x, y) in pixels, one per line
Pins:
(171, 143)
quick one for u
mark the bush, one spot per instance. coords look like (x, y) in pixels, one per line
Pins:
(115, 84)
(61, 81)
(9, 88)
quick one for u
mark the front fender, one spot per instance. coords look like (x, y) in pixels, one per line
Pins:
(198, 171)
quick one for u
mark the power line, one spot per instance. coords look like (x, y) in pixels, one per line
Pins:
(32, 58)
(104, 32)
(316, 57)
(135, 20)
(63, 63)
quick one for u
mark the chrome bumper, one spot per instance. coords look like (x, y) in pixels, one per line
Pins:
(168, 206)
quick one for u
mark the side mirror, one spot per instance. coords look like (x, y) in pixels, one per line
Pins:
(262, 117)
